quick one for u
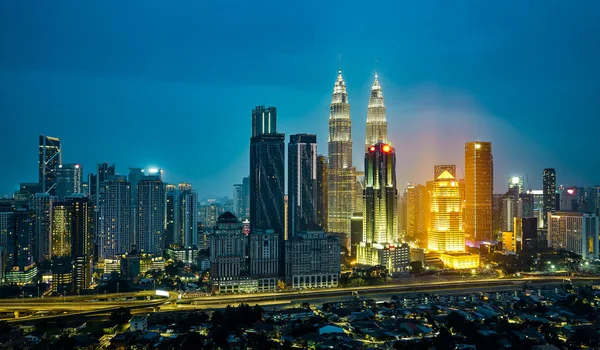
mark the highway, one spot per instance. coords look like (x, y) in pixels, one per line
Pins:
(78, 306)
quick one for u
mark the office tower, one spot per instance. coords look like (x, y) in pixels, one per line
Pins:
(68, 180)
(380, 214)
(550, 197)
(41, 205)
(575, 232)
(82, 243)
(516, 182)
(134, 177)
(114, 225)
(312, 260)
(302, 183)
(50, 156)
(264, 258)
(322, 195)
(246, 197)
(228, 245)
(187, 216)
(62, 239)
(25, 238)
(341, 179)
(376, 121)
(417, 213)
(267, 155)
(479, 185)
(402, 215)
(151, 220)
(285, 217)
(267, 175)
(509, 212)
(445, 231)
(525, 205)
(238, 200)
(525, 232)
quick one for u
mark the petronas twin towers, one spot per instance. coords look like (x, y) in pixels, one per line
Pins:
(342, 175)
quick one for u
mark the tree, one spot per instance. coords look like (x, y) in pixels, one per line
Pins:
(64, 342)
(120, 316)
(305, 305)
(192, 341)
(4, 327)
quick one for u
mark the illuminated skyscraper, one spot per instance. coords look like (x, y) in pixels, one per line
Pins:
(550, 196)
(151, 220)
(445, 232)
(50, 156)
(341, 179)
(114, 225)
(516, 181)
(62, 230)
(376, 121)
(302, 183)
(417, 213)
(380, 245)
(479, 184)
(41, 205)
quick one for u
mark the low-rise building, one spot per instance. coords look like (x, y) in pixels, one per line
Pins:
(456, 260)
(312, 260)
(138, 323)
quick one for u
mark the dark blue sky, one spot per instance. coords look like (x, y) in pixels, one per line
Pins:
(172, 84)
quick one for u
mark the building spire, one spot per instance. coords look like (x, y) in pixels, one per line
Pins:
(376, 119)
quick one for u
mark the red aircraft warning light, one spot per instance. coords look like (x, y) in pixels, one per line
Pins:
(372, 148)
(386, 148)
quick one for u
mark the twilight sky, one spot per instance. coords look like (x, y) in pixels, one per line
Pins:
(172, 84)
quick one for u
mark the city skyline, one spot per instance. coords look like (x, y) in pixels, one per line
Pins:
(435, 96)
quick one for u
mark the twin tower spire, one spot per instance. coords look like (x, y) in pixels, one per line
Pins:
(341, 173)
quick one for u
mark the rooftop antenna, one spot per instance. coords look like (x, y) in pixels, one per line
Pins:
(340, 62)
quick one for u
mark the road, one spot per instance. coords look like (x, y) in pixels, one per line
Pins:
(75, 306)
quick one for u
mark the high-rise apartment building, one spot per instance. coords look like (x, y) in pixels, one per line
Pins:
(376, 120)
(96, 181)
(62, 230)
(551, 202)
(446, 232)
(69, 178)
(41, 205)
(49, 158)
(114, 223)
(302, 183)
(82, 241)
(341, 179)
(574, 232)
(187, 216)
(479, 184)
(322, 193)
(151, 220)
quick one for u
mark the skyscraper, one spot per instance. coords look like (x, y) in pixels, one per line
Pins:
(103, 172)
(187, 216)
(238, 200)
(516, 181)
(302, 183)
(380, 244)
(376, 121)
(549, 188)
(62, 230)
(267, 172)
(479, 184)
(114, 225)
(341, 179)
(68, 180)
(41, 205)
(380, 214)
(246, 197)
(446, 232)
(50, 156)
(228, 249)
(151, 219)
(82, 244)
(322, 197)
(417, 213)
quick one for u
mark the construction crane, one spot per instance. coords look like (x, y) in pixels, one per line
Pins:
(528, 184)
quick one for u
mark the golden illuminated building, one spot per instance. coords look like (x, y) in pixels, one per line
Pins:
(445, 231)
(509, 241)
(61, 242)
(479, 185)
(460, 261)
(417, 213)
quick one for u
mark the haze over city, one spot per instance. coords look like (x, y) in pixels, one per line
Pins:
(173, 87)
